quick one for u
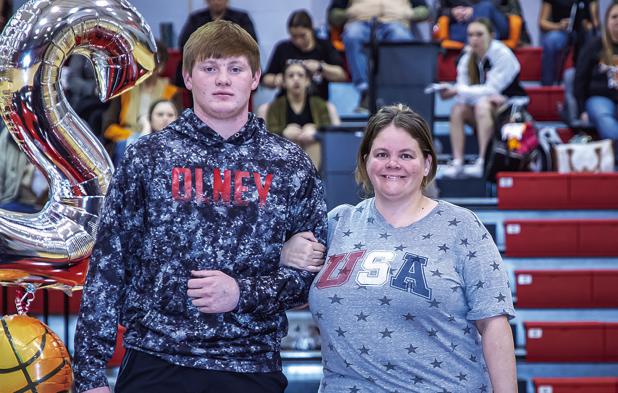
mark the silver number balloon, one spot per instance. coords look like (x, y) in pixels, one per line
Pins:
(52, 247)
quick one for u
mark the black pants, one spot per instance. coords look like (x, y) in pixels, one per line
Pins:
(141, 372)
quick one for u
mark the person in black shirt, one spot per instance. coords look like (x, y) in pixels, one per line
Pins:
(317, 55)
(462, 12)
(217, 9)
(596, 78)
(559, 31)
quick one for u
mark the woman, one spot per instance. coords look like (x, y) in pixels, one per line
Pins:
(297, 115)
(555, 24)
(596, 78)
(413, 296)
(318, 56)
(487, 73)
(160, 115)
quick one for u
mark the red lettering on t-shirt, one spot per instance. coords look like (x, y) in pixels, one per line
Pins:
(239, 188)
(221, 190)
(186, 176)
(262, 189)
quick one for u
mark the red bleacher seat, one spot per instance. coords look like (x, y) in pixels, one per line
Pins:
(539, 238)
(530, 61)
(520, 190)
(605, 288)
(594, 190)
(561, 238)
(529, 58)
(565, 341)
(552, 190)
(555, 288)
(576, 385)
(55, 301)
(544, 102)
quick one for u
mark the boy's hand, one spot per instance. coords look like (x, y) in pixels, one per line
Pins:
(213, 291)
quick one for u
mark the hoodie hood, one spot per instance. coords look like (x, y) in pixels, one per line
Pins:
(193, 127)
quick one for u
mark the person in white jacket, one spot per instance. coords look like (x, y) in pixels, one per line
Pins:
(487, 74)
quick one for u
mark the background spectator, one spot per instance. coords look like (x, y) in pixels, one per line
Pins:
(462, 12)
(596, 78)
(487, 73)
(318, 56)
(128, 113)
(393, 18)
(22, 186)
(558, 32)
(297, 115)
(217, 9)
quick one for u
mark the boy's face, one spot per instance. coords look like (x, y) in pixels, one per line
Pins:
(222, 87)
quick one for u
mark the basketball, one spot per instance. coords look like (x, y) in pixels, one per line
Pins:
(32, 357)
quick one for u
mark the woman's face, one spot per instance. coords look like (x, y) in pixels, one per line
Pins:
(478, 38)
(162, 115)
(302, 38)
(612, 23)
(295, 79)
(396, 166)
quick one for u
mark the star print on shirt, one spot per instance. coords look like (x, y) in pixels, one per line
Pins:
(361, 317)
(464, 242)
(479, 284)
(455, 288)
(360, 209)
(485, 236)
(434, 303)
(417, 379)
(370, 379)
(347, 364)
(466, 330)
(462, 377)
(451, 318)
(432, 332)
(389, 366)
(439, 212)
(370, 220)
(471, 254)
(495, 265)
(387, 333)
(354, 389)
(384, 235)
(400, 247)
(335, 299)
(453, 346)
(358, 246)
(331, 346)
(427, 236)
(473, 358)
(363, 350)
(443, 247)
(318, 315)
(336, 217)
(500, 297)
(409, 317)
(436, 273)
(483, 388)
(347, 233)
(411, 349)
(436, 363)
(340, 332)
(453, 222)
(385, 301)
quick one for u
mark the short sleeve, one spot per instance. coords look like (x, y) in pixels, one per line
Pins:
(486, 284)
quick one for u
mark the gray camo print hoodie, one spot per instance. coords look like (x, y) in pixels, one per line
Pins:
(186, 199)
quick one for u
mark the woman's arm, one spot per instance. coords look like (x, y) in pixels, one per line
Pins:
(545, 22)
(302, 251)
(334, 116)
(273, 81)
(499, 352)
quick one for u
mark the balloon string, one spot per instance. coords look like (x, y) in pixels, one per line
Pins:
(23, 299)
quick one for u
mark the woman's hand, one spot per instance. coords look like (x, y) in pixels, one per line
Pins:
(302, 251)
(292, 132)
(448, 93)
(308, 134)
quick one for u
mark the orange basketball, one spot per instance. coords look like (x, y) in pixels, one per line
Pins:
(32, 357)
